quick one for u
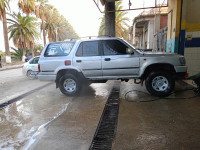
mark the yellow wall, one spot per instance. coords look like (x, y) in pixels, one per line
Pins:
(174, 10)
(191, 15)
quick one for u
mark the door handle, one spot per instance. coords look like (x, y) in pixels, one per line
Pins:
(78, 61)
(107, 59)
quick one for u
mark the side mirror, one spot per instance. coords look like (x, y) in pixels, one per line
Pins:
(129, 51)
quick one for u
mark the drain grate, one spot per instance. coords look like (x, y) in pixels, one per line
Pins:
(107, 126)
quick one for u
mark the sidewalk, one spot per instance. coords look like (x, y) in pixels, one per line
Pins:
(13, 65)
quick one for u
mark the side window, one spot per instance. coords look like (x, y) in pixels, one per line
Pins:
(80, 50)
(90, 48)
(114, 47)
(35, 60)
(59, 49)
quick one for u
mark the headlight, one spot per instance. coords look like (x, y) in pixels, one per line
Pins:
(182, 60)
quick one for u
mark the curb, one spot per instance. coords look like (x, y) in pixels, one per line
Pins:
(9, 68)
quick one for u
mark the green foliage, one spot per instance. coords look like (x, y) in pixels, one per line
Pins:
(2, 54)
(3, 5)
(57, 27)
(37, 47)
(18, 53)
(23, 30)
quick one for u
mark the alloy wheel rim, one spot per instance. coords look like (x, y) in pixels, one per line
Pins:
(69, 85)
(160, 83)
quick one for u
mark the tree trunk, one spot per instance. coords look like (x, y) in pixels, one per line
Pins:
(24, 52)
(50, 37)
(6, 41)
(44, 34)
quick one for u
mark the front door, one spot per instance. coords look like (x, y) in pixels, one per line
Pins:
(117, 62)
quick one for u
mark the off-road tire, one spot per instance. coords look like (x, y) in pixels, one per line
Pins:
(170, 81)
(66, 78)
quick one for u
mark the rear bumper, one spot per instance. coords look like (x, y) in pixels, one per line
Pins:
(180, 72)
(180, 75)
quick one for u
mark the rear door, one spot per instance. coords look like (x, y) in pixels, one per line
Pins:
(116, 61)
(88, 59)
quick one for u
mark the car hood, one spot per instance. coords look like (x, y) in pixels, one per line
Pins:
(155, 54)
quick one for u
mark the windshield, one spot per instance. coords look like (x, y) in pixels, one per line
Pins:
(59, 49)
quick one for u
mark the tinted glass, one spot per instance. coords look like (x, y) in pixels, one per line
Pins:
(59, 49)
(114, 47)
(80, 50)
(35, 60)
(90, 48)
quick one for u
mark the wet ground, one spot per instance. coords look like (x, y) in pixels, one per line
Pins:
(147, 122)
(46, 119)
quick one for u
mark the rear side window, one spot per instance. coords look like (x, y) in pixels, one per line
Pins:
(88, 49)
(59, 49)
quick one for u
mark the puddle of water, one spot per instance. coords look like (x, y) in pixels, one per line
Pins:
(20, 125)
(41, 131)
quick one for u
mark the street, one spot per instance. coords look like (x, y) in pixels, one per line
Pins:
(41, 117)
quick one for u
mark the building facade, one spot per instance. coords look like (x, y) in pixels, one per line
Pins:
(183, 35)
(146, 26)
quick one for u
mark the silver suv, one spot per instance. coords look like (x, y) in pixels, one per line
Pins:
(71, 63)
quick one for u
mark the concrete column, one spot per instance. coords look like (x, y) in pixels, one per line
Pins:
(143, 38)
(110, 19)
(150, 36)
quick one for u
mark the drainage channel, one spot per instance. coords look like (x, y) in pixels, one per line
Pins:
(22, 96)
(105, 132)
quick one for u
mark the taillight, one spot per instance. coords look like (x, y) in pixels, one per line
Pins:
(67, 62)
(22, 66)
(39, 67)
(186, 75)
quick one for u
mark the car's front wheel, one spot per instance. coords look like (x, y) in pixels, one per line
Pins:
(160, 84)
(69, 85)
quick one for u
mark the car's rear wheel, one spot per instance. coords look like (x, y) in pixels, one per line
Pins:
(69, 85)
(28, 74)
(160, 84)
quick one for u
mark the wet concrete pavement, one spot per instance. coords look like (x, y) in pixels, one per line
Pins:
(25, 122)
(75, 128)
(46, 119)
(172, 124)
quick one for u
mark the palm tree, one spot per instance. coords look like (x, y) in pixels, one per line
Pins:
(64, 29)
(27, 6)
(23, 30)
(121, 26)
(41, 12)
(3, 5)
(51, 22)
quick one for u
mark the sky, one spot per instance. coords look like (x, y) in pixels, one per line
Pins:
(83, 15)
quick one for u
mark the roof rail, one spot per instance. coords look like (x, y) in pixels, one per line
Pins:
(88, 37)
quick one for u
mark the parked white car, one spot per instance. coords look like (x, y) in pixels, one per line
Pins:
(31, 66)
